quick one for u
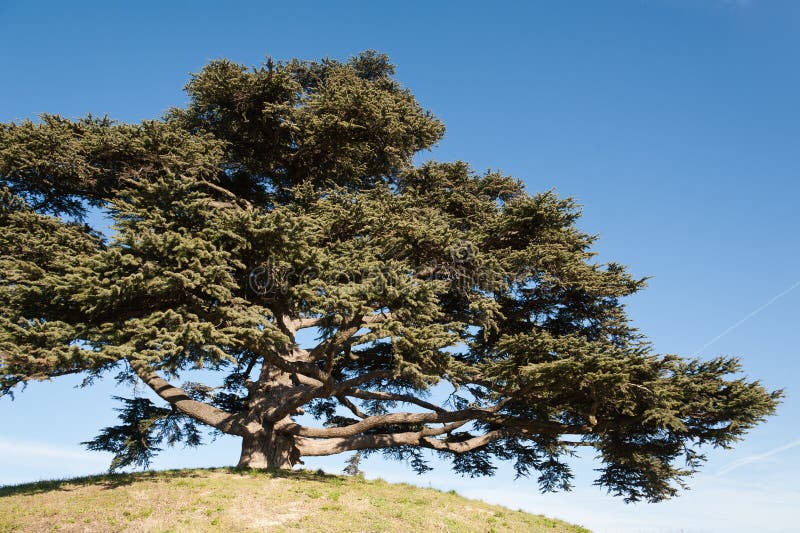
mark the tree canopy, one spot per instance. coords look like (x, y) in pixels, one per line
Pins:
(449, 310)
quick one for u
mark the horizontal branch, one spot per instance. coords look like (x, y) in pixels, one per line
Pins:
(312, 447)
(179, 398)
(484, 415)
(372, 423)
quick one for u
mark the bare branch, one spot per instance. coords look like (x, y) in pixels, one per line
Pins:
(225, 192)
(311, 447)
(203, 412)
(446, 428)
(222, 205)
(295, 367)
(312, 322)
(350, 405)
(388, 396)
(485, 415)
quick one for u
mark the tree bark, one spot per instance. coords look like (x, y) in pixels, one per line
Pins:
(270, 450)
(179, 398)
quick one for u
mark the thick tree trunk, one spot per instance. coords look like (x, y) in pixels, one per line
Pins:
(262, 446)
(267, 449)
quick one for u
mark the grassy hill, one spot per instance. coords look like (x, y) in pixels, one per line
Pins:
(242, 500)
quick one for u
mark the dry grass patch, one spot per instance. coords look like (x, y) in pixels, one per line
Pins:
(250, 500)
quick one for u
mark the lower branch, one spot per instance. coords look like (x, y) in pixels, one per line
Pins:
(179, 398)
(312, 447)
(484, 415)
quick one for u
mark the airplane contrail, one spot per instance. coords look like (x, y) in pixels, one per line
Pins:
(756, 458)
(748, 317)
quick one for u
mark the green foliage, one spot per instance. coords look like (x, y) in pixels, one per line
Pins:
(144, 425)
(353, 466)
(283, 197)
(326, 123)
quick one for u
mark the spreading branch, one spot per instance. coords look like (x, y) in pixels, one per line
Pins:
(329, 446)
(179, 398)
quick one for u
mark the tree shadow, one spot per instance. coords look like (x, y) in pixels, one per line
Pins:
(103, 481)
(113, 481)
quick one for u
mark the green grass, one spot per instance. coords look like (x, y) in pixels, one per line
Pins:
(227, 499)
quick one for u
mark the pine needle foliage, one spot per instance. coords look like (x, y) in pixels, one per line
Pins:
(353, 465)
(284, 198)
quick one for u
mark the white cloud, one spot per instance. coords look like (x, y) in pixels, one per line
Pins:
(26, 461)
(21, 450)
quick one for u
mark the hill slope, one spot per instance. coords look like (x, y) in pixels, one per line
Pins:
(242, 500)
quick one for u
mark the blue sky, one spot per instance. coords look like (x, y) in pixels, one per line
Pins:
(674, 122)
